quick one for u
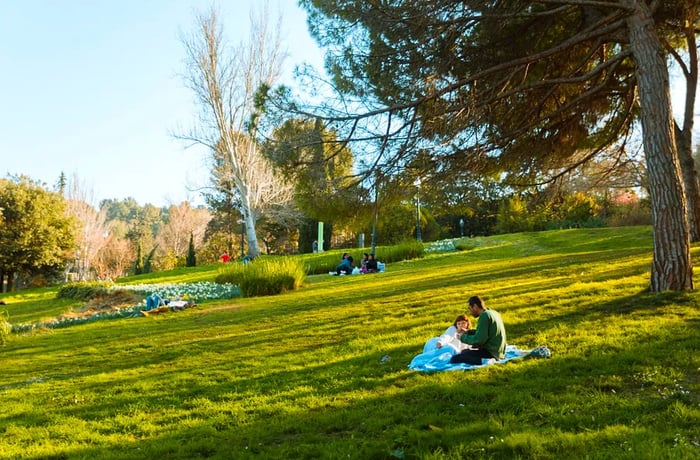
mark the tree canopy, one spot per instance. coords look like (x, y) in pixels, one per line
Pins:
(529, 88)
(36, 233)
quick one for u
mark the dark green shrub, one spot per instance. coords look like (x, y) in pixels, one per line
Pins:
(191, 260)
(264, 276)
(466, 244)
(83, 290)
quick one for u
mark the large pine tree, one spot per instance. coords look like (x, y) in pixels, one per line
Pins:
(531, 88)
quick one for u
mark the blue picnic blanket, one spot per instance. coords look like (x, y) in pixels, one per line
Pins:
(435, 359)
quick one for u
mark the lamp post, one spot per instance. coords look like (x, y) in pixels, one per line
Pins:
(242, 233)
(461, 227)
(418, 232)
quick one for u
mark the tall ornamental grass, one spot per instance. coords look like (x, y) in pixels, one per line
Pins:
(5, 328)
(264, 276)
(83, 290)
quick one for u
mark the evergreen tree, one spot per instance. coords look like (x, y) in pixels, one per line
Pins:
(138, 264)
(191, 258)
(519, 87)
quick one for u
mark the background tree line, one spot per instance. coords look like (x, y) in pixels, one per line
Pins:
(50, 235)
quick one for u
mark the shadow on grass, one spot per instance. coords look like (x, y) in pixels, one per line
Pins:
(358, 408)
(299, 376)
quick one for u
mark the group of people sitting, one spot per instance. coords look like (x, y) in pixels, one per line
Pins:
(368, 264)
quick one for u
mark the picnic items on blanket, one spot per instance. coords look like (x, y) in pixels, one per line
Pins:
(156, 304)
(438, 359)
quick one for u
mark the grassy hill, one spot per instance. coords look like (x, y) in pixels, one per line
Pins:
(321, 372)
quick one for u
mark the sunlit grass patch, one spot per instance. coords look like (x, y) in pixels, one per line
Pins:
(303, 375)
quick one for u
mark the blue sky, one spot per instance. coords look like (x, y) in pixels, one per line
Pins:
(91, 88)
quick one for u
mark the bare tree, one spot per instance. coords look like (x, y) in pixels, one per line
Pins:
(183, 221)
(685, 25)
(225, 80)
(115, 258)
(92, 227)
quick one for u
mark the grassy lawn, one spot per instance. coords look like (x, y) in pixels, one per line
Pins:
(300, 375)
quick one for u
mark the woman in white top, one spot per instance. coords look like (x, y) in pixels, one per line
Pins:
(438, 350)
(450, 338)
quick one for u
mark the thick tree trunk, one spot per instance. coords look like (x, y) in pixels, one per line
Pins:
(253, 249)
(671, 266)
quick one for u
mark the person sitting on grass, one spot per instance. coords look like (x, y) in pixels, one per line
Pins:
(438, 351)
(363, 263)
(450, 338)
(371, 266)
(345, 266)
(488, 340)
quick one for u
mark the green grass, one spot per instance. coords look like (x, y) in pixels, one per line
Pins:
(299, 375)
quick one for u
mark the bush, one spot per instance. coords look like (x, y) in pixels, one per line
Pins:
(637, 214)
(264, 276)
(83, 290)
(5, 328)
(466, 244)
(322, 262)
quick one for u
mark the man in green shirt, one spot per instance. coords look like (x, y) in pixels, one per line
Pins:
(488, 340)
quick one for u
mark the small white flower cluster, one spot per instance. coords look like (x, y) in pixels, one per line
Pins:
(441, 246)
(198, 292)
(195, 292)
(647, 379)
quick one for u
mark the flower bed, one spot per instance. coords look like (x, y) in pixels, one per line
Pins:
(196, 292)
(441, 246)
(193, 292)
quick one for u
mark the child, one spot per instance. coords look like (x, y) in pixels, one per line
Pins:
(371, 266)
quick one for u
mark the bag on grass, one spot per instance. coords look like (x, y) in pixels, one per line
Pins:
(541, 352)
